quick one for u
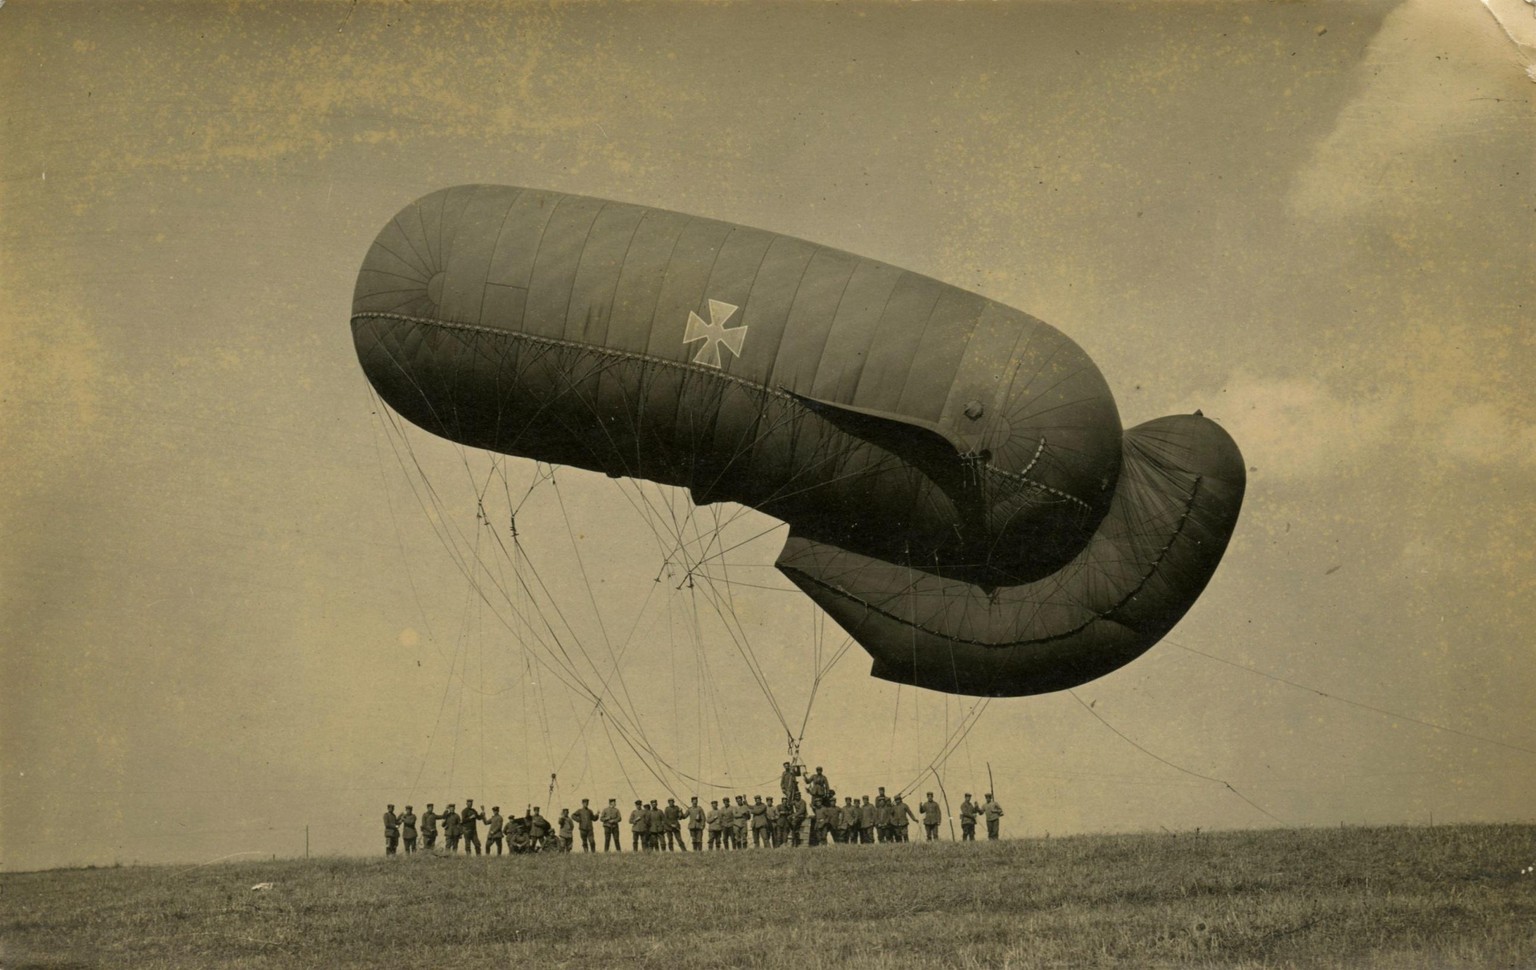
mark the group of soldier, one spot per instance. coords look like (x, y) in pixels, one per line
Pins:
(724, 825)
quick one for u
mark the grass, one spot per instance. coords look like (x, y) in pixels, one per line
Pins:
(1450, 896)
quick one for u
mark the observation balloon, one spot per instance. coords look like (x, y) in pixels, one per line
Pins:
(960, 495)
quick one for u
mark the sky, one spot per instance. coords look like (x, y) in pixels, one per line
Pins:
(241, 607)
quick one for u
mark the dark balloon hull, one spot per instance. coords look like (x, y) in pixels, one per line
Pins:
(894, 422)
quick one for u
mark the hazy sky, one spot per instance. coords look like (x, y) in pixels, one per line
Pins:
(225, 615)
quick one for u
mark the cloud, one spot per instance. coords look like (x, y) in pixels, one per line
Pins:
(1488, 434)
(1436, 75)
(1299, 428)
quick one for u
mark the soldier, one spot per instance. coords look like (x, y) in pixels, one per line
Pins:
(516, 831)
(931, 818)
(825, 824)
(848, 821)
(408, 830)
(696, 822)
(787, 781)
(760, 822)
(869, 819)
(639, 825)
(391, 830)
(451, 828)
(674, 822)
(901, 818)
(741, 817)
(493, 830)
(428, 828)
(538, 829)
(993, 811)
(610, 818)
(778, 823)
(797, 815)
(884, 830)
(584, 818)
(968, 819)
(817, 784)
(567, 829)
(712, 824)
(658, 817)
(467, 820)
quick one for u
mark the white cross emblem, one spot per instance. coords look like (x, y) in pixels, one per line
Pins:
(714, 333)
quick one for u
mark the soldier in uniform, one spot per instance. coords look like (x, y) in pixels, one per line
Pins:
(869, 819)
(610, 818)
(493, 829)
(674, 822)
(467, 824)
(742, 820)
(883, 827)
(696, 822)
(993, 811)
(931, 818)
(787, 781)
(848, 821)
(428, 828)
(451, 828)
(901, 818)
(584, 818)
(408, 830)
(391, 830)
(817, 785)
(639, 825)
(538, 829)
(824, 824)
(968, 815)
(760, 822)
(712, 824)
(567, 829)
(797, 816)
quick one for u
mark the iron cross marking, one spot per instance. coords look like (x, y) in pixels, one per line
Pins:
(714, 333)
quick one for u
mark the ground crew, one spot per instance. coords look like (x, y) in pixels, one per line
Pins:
(741, 817)
(993, 811)
(428, 828)
(869, 818)
(451, 828)
(696, 824)
(391, 830)
(467, 820)
(787, 783)
(610, 818)
(824, 827)
(848, 821)
(760, 822)
(408, 830)
(712, 824)
(901, 817)
(968, 815)
(674, 820)
(658, 827)
(584, 818)
(931, 817)
(567, 829)
(639, 824)
(493, 830)
(538, 829)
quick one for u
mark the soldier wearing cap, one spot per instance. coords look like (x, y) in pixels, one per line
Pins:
(408, 830)
(931, 818)
(584, 817)
(639, 825)
(391, 830)
(493, 827)
(610, 817)
(993, 812)
(538, 828)
(696, 822)
(901, 818)
(968, 813)
(451, 828)
(658, 823)
(848, 821)
(741, 817)
(467, 820)
(787, 781)
(760, 821)
(674, 820)
(869, 819)
(428, 828)
(567, 829)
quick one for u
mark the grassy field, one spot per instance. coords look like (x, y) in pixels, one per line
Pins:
(1378, 898)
